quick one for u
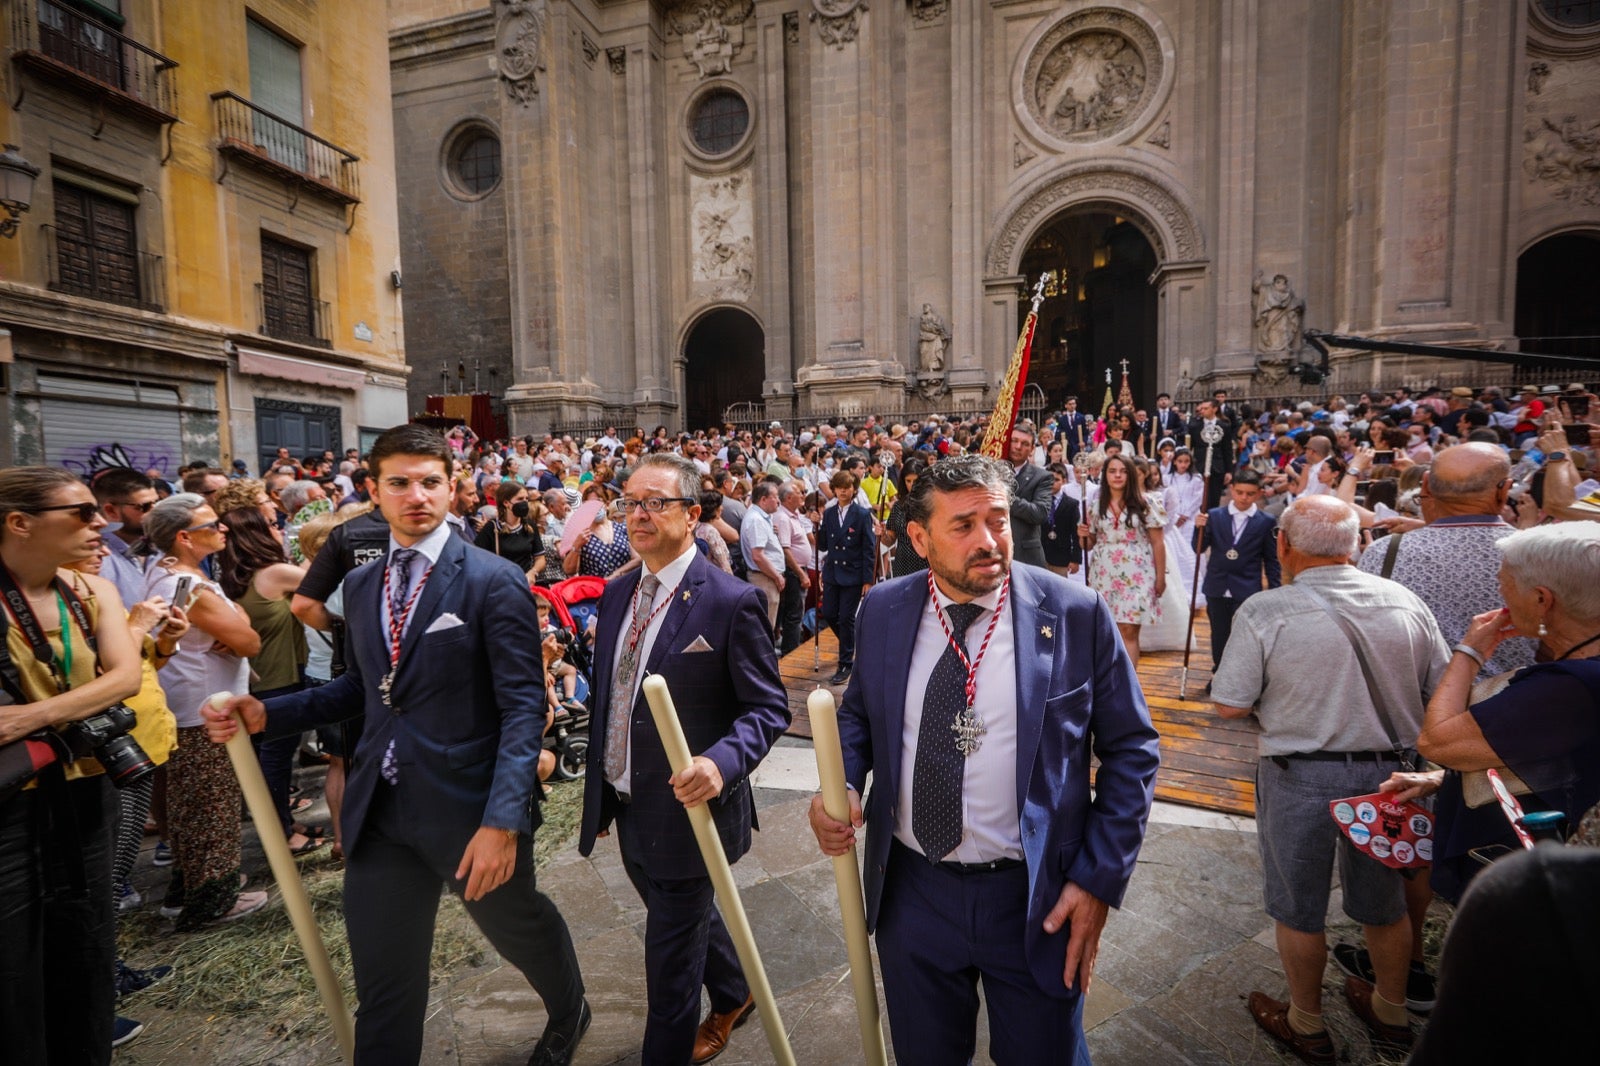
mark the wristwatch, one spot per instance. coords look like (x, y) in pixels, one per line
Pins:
(1556, 457)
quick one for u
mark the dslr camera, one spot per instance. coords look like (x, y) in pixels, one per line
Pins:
(104, 737)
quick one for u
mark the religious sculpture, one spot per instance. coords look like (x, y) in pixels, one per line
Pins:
(712, 32)
(933, 337)
(1089, 83)
(1565, 156)
(1279, 313)
(517, 42)
(723, 235)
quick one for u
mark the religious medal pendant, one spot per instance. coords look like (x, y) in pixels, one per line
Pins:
(385, 685)
(1233, 553)
(968, 727)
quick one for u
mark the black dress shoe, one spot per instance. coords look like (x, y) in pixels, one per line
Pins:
(840, 676)
(556, 1048)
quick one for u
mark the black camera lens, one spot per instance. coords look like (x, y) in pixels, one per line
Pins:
(125, 761)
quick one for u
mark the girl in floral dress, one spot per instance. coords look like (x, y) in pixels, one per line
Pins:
(1128, 565)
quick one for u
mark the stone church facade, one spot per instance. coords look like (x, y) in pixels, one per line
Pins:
(649, 210)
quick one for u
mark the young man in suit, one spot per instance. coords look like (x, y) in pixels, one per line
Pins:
(1030, 498)
(1221, 451)
(1073, 428)
(706, 634)
(847, 536)
(441, 786)
(1168, 421)
(986, 857)
(1243, 543)
(1063, 553)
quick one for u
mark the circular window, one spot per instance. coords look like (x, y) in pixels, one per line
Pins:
(720, 120)
(1571, 12)
(474, 162)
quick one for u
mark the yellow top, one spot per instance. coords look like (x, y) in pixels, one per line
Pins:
(37, 681)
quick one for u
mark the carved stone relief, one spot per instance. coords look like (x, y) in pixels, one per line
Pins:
(722, 235)
(712, 32)
(1278, 314)
(1162, 137)
(1092, 75)
(1564, 157)
(617, 59)
(518, 41)
(838, 21)
(929, 10)
(791, 27)
(1538, 74)
(590, 49)
(1020, 152)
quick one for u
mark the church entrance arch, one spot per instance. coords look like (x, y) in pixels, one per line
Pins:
(724, 361)
(1558, 295)
(1100, 308)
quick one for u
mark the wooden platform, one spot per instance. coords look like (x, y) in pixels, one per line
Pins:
(1206, 761)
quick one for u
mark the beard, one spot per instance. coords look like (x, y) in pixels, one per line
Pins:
(963, 580)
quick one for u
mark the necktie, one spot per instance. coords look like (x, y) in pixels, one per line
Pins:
(399, 590)
(937, 774)
(621, 713)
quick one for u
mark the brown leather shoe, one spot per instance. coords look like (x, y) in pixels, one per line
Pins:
(1385, 1037)
(713, 1035)
(1273, 1017)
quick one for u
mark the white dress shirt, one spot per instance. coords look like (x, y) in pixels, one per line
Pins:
(1240, 520)
(428, 550)
(670, 576)
(990, 821)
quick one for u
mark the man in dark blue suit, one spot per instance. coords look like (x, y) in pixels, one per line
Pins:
(1244, 548)
(847, 537)
(987, 856)
(441, 785)
(706, 634)
(1073, 428)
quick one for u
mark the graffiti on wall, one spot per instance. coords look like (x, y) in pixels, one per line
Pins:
(89, 460)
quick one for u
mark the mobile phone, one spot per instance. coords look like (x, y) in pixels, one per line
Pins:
(181, 597)
(1385, 456)
(1579, 434)
(1579, 406)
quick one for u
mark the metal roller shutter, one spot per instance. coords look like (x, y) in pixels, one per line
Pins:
(93, 424)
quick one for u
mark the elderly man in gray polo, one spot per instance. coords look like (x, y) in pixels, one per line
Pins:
(1337, 665)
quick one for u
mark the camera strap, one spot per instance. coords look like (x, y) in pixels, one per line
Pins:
(18, 605)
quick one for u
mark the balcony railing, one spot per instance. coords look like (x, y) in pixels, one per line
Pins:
(116, 275)
(261, 139)
(289, 319)
(64, 45)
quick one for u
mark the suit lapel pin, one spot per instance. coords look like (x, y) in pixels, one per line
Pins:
(685, 595)
(1044, 631)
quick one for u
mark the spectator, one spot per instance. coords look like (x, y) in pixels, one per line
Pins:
(797, 535)
(707, 531)
(514, 531)
(905, 559)
(125, 496)
(763, 551)
(602, 549)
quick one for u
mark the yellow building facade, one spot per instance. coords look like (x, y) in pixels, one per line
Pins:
(209, 268)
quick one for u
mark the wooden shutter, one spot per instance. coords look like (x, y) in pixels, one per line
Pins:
(286, 290)
(96, 245)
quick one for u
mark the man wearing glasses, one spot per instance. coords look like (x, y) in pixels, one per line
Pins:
(125, 496)
(705, 633)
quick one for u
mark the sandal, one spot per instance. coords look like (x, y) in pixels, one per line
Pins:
(318, 831)
(1273, 1017)
(311, 844)
(301, 803)
(247, 903)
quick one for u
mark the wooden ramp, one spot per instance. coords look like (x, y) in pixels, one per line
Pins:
(1206, 761)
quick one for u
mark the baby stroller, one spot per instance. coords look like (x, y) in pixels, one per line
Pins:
(572, 603)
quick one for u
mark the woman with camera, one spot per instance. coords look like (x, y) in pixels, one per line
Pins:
(202, 793)
(68, 657)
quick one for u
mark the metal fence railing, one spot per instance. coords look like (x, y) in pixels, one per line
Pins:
(260, 138)
(292, 319)
(116, 275)
(52, 38)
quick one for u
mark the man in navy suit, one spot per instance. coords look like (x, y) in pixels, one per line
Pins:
(706, 634)
(1244, 548)
(1072, 428)
(847, 536)
(441, 785)
(1168, 421)
(987, 857)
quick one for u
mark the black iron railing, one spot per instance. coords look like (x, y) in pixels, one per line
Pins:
(124, 276)
(57, 41)
(260, 138)
(290, 318)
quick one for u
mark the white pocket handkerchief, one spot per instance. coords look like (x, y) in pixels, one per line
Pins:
(443, 622)
(698, 645)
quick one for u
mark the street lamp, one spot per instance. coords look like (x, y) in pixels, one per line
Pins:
(16, 188)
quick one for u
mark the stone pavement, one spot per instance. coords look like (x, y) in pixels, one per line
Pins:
(1176, 961)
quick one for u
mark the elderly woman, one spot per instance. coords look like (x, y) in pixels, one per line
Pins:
(213, 656)
(1540, 725)
(58, 952)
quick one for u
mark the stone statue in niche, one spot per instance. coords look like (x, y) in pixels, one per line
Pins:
(723, 236)
(1278, 314)
(933, 338)
(1088, 83)
(712, 32)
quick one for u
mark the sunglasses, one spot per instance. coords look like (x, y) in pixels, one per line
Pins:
(86, 511)
(142, 508)
(213, 524)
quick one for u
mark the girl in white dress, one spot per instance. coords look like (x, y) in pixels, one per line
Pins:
(1183, 496)
(1168, 631)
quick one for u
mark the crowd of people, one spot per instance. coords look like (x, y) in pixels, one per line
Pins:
(1401, 589)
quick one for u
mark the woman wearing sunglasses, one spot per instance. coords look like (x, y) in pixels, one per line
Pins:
(58, 952)
(202, 793)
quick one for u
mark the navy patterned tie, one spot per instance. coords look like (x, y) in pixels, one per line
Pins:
(399, 589)
(937, 774)
(621, 711)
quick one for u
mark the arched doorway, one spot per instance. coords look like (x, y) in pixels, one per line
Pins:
(1558, 295)
(724, 361)
(1100, 306)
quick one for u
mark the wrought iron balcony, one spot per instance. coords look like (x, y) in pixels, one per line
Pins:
(262, 140)
(291, 318)
(101, 272)
(61, 44)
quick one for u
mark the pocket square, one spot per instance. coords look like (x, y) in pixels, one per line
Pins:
(698, 645)
(443, 622)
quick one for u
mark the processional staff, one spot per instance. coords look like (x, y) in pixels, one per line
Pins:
(1211, 434)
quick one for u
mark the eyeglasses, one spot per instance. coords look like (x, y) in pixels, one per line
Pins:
(655, 504)
(86, 511)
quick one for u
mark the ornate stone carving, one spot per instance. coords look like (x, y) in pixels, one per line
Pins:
(1091, 75)
(838, 21)
(518, 41)
(617, 59)
(1278, 315)
(590, 49)
(722, 235)
(1565, 157)
(1021, 153)
(712, 32)
(1538, 74)
(933, 339)
(1162, 137)
(791, 27)
(1174, 237)
(929, 10)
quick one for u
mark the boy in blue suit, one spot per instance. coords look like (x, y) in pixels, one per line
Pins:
(848, 537)
(1244, 547)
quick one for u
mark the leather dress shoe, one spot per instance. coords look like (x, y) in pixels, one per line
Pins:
(555, 1047)
(840, 676)
(712, 1037)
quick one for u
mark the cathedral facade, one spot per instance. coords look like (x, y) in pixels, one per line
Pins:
(658, 211)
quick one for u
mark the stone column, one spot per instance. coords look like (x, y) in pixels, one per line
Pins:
(772, 237)
(971, 390)
(1237, 131)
